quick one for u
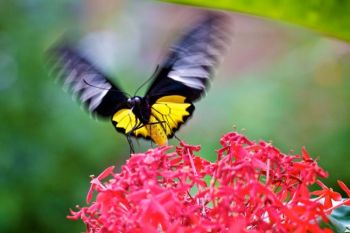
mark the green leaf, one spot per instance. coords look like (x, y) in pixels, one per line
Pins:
(329, 17)
(340, 219)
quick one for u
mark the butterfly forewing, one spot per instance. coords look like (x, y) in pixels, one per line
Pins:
(86, 82)
(190, 64)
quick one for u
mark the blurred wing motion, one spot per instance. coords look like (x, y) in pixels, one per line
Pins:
(185, 74)
(93, 89)
(182, 79)
(191, 61)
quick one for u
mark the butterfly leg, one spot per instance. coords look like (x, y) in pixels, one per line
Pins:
(177, 138)
(128, 136)
(131, 145)
(152, 144)
(154, 123)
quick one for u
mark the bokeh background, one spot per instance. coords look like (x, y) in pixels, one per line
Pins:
(278, 82)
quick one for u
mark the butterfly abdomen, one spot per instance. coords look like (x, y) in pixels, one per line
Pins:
(157, 134)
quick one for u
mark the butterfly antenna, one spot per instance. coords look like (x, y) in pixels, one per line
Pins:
(102, 88)
(149, 79)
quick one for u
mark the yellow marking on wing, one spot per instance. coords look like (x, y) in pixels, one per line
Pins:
(127, 120)
(172, 99)
(141, 131)
(169, 111)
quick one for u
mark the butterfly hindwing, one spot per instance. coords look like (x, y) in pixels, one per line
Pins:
(126, 122)
(171, 111)
(83, 80)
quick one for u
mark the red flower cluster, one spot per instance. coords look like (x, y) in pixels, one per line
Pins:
(251, 187)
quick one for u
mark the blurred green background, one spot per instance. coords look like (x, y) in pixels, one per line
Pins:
(278, 82)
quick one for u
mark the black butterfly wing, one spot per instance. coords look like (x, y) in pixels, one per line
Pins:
(191, 61)
(93, 89)
(185, 75)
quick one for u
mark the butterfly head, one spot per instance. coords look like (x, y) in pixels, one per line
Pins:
(134, 101)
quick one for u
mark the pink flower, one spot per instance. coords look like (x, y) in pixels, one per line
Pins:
(251, 187)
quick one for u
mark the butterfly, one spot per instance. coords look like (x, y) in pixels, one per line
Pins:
(180, 80)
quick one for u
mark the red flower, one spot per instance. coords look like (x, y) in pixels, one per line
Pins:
(251, 187)
(328, 194)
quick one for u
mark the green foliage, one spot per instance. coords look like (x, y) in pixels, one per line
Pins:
(330, 17)
(339, 220)
(45, 157)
